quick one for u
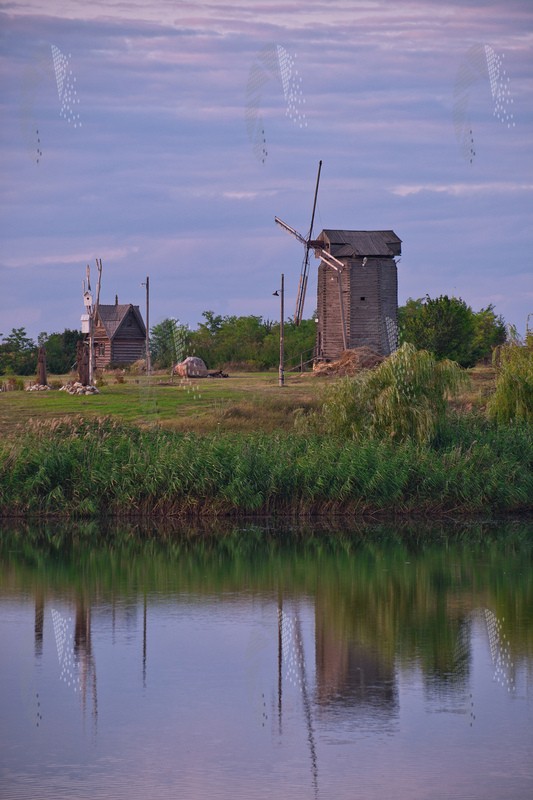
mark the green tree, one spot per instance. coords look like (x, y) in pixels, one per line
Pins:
(18, 353)
(60, 349)
(445, 326)
(250, 341)
(169, 341)
(489, 332)
(223, 340)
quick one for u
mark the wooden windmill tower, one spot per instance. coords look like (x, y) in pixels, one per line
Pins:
(357, 291)
(364, 310)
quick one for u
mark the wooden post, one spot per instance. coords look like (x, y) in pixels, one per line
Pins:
(281, 332)
(148, 365)
(41, 367)
(82, 363)
(90, 371)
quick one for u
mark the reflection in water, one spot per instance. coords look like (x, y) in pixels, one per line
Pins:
(500, 652)
(352, 674)
(371, 650)
(39, 622)
(75, 655)
(84, 655)
(65, 650)
(292, 649)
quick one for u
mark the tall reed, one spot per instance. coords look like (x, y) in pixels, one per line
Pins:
(83, 468)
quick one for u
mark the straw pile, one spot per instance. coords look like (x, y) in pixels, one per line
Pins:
(350, 362)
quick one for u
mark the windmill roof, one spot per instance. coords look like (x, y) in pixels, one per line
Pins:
(348, 244)
(112, 317)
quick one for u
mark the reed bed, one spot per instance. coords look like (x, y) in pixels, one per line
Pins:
(92, 467)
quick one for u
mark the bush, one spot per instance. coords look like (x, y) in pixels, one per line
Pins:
(403, 398)
(513, 397)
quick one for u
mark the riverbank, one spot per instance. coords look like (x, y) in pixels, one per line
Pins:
(84, 468)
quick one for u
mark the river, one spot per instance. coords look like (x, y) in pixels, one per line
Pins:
(264, 660)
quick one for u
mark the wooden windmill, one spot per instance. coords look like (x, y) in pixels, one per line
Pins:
(357, 290)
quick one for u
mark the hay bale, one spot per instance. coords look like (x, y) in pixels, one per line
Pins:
(350, 363)
(191, 367)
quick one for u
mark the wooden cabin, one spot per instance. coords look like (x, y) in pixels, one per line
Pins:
(369, 284)
(119, 334)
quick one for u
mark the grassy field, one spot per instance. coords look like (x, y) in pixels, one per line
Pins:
(229, 447)
(244, 402)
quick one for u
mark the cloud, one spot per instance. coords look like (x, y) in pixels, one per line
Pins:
(249, 195)
(163, 172)
(457, 189)
(38, 261)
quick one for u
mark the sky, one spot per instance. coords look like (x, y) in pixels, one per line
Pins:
(164, 137)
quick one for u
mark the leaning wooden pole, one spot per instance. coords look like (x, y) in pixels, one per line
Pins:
(302, 286)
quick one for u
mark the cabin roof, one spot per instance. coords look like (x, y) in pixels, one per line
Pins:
(358, 244)
(112, 317)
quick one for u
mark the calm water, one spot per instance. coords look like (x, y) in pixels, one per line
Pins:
(260, 663)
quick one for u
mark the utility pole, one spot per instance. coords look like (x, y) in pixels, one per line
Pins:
(281, 332)
(147, 284)
(281, 295)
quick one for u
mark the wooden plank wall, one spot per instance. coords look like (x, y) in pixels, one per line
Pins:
(377, 283)
(329, 329)
(389, 304)
(128, 350)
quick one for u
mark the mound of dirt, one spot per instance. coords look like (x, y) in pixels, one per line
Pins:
(350, 362)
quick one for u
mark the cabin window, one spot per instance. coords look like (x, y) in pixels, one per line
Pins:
(362, 299)
(101, 349)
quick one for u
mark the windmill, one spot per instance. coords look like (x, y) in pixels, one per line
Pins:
(326, 257)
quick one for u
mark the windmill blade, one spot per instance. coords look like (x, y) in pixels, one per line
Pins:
(302, 287)
(304, 274)
(290, 230)
(310, 236)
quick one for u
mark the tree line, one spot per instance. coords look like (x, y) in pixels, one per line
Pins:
(249, 342)
(18, 352)
(445, 326)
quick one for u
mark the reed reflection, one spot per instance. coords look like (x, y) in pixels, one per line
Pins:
(381, 605)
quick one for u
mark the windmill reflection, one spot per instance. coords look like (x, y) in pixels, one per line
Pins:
(38, 626)
(351, 670)
(84, 656)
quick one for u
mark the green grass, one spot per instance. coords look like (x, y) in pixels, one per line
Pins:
(247, 401)
(230, 447)
(102, 467)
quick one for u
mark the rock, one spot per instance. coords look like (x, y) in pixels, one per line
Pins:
(77, 388)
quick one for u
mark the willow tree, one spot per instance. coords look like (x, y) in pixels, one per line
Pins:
(513, 397)
(405, 397)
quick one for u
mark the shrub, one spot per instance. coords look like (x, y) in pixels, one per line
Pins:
(513, 397)
(403, 398)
